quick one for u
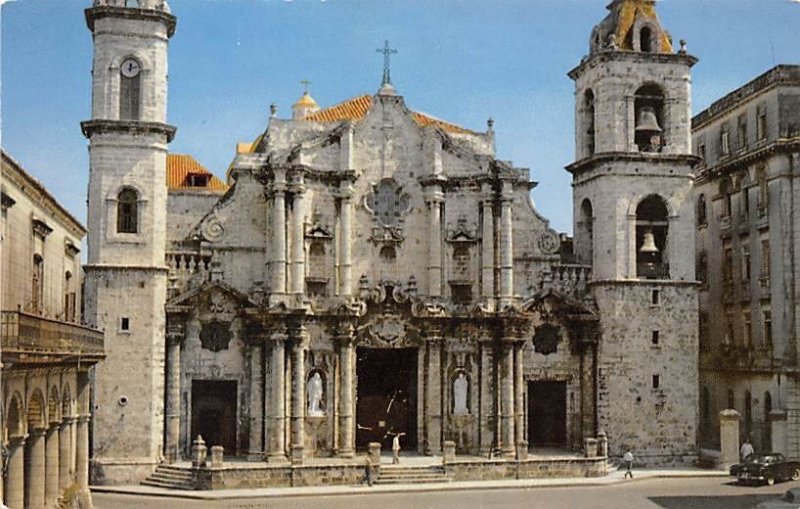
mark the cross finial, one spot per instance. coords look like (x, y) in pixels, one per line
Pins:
(386, 50)
(305, 84)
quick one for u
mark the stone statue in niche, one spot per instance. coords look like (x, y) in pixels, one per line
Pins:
(460, 389)
(314, 395)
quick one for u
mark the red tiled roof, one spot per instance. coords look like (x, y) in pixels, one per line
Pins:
(180, 168)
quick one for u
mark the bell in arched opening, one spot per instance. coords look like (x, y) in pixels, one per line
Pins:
(649, 243)
(647, 123)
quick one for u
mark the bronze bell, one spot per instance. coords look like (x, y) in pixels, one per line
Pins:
(649, 244)
(647, 121)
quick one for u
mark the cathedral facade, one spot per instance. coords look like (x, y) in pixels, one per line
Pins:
(368, 271)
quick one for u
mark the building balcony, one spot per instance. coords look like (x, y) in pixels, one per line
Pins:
(28, 338)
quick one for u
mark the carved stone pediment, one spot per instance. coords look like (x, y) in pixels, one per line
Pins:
(388, 331)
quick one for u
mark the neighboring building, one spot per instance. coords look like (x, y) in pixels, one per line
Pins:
(375, 270)
(46, 351)
(748, 253)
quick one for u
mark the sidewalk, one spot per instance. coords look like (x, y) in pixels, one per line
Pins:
(614, 477)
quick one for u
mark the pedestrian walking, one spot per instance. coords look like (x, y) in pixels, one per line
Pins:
(746, 450)
(628, 458)
(396, 448)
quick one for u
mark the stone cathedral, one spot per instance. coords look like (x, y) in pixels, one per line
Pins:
(368, 270)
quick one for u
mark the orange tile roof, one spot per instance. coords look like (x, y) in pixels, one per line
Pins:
(357, 108)
(181, 166)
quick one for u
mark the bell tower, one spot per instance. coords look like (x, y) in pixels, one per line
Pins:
(634, 224)
(126, 271)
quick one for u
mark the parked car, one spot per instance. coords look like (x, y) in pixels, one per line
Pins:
(789, 500)
(766, 468)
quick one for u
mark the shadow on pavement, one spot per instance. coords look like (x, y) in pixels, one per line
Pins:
(719, 502)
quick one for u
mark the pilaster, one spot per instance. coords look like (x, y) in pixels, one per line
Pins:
(175, 335)
(298, 273)
(278, 240)
(346, 341)
(255, 445)
(506, 246)
(507, 436)
(345, 227)
(487, 245)
(276, 423)
(433, 393)
(299, 342)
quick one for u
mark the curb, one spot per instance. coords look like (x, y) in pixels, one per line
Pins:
(329, 491)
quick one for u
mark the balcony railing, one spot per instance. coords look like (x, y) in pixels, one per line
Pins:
(32, 334)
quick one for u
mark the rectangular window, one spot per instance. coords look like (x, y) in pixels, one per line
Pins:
(745, 262)
(656, 381)
(701, 151)
(727, 265)
(124, 324)
(655, 338)
(725, 141)
(761, 122)
(764, 262)
(748, 330)
(741, 128)
(768, 328)
(655, 297)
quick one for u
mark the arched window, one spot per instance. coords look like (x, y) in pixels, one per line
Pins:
(646, 40)
(588, 120)
(652, 229)
(585, 239)
(388, 254)
(702, 218)
(130, 78)
(748, 414)
(127, 211)
(731, 401)
(650, 121)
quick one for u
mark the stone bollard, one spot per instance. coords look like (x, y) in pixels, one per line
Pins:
(216, 456)
(199, 452)
(522, 450)
(297, 454)
(375, 453)
(449, 451)
(602, 444)
(729, 437)
(590, 447)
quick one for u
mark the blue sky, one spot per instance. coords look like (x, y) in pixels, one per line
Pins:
(460, 60)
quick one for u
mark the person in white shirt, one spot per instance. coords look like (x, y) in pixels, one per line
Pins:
(628, 457)
(746, 450)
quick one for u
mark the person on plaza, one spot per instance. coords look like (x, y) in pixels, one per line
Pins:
(367, 472)
(628, 458)
(746, 450)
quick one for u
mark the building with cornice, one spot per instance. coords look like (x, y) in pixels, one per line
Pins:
(369, 271)
(748, 227)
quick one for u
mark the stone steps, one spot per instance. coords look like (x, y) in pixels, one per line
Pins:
(411, 475)
(171, 477)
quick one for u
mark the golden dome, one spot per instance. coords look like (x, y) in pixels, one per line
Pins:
(306, 101)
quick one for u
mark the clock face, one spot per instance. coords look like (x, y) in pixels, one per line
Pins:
(130, 68)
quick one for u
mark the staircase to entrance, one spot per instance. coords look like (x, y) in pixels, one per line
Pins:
(173, 477)
(401, 474)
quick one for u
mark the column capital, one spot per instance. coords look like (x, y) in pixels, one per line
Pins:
(37, 432)
(67, 420)
(16, 440)
(84, 418)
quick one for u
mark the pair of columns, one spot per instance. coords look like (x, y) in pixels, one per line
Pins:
(512, 398)
(38, 482)
(505, 238)
(288, 255)
(291, 254)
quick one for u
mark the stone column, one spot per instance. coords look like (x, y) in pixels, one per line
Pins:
(507, 400)
(35, 476)
(434, 201)
(14, 486)
(487, 424)
(434, 392)
(276, 450)
(65, 453)
(519, 396)
(298, 237)
(729, 437)
(82, 439)
(51, 491)
(279, 233)
(487, 245)
(299, 390)
(345, 225)
(256, 447)
(173, 403)
(506, 246)
(346, 406)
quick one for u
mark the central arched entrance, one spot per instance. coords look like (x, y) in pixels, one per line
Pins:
(387, 396)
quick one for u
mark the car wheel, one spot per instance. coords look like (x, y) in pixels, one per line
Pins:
(770, 480)
(795, 474)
